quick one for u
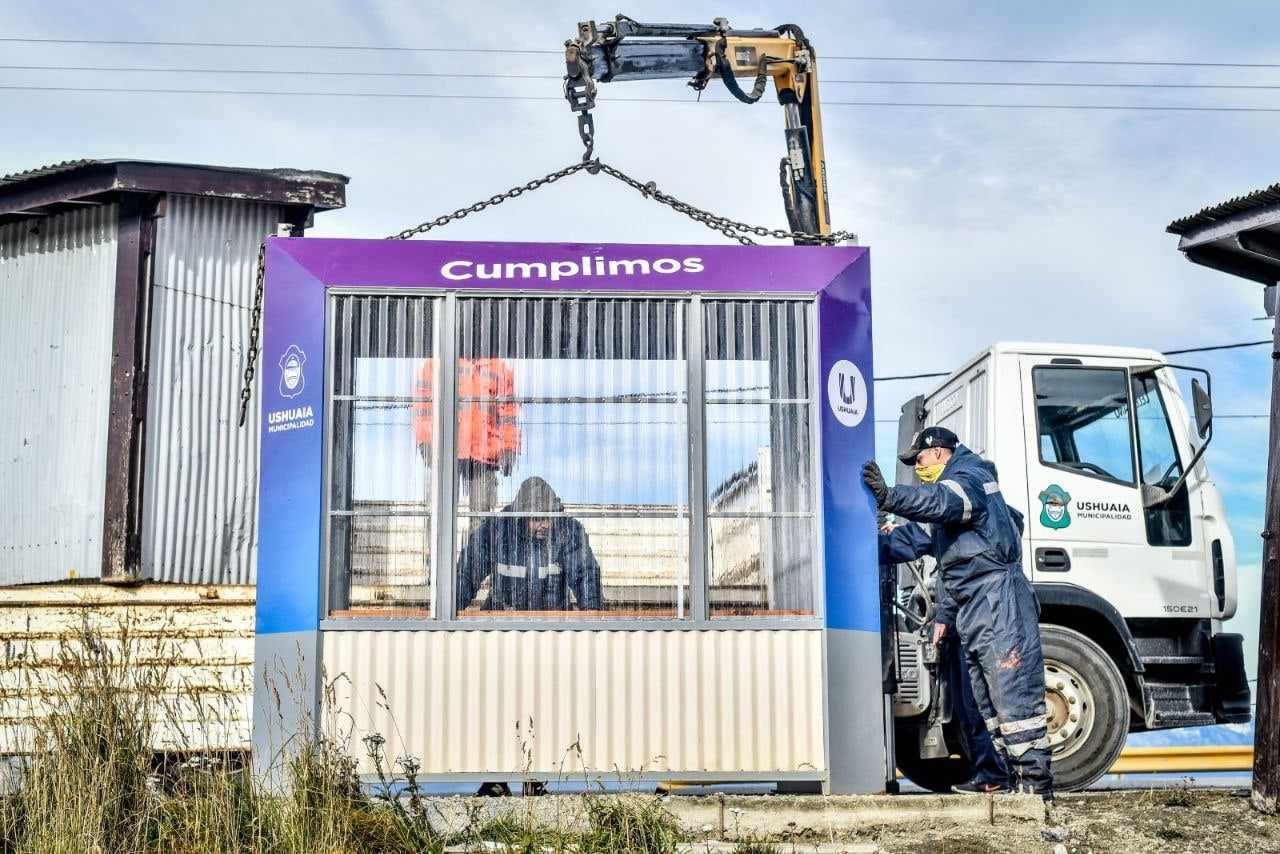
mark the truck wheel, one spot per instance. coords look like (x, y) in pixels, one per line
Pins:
(1087, 705)
(936, 775)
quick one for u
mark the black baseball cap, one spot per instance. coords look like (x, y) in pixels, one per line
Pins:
(929, 437)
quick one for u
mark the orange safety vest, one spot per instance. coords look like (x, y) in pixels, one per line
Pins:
(487, 432)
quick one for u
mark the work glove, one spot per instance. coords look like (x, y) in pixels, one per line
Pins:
(874, 480)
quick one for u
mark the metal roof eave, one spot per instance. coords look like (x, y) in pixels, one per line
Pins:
(52, 189)
(1240, 237)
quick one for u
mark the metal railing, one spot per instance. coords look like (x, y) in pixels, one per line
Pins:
(1184, 758)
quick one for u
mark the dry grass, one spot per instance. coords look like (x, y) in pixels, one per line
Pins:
(88, 778)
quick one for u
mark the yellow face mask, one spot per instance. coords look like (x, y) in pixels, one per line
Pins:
(929, 474)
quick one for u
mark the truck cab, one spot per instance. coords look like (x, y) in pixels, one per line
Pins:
(1125, 542)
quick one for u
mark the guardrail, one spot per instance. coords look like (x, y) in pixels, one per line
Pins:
(1178, 758)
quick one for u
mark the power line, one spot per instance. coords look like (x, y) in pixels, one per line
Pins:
(277, 46)
(1184, 108)
(912, 377)
(1217, 347)
(1208, 349)
(1136, 63)
(311, 72)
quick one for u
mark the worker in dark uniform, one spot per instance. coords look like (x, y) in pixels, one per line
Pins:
(985, 595)
(532, 562)
(903, 542)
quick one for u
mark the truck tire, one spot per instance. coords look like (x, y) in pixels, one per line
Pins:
(1087, 704)
(936, 775)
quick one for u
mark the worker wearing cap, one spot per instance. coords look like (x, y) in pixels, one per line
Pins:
(533, 562)
(977, 543)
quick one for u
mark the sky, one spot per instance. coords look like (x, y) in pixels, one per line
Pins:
(984, 224)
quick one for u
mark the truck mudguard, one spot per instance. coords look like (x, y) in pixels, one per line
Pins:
(1058, 595)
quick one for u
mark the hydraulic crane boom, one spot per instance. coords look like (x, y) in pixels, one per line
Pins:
(624, 49)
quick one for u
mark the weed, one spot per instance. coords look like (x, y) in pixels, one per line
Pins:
(628, 823)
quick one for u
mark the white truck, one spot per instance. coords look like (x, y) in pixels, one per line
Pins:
(1126, 544)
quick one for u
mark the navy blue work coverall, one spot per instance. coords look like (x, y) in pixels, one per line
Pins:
(905, 543)
(974, 537)
(557, 572)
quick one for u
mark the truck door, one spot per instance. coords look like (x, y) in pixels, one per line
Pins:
(1086, 467)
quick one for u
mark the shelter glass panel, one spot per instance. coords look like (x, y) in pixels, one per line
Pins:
(759, 458)
(381, 472)
(572, 465)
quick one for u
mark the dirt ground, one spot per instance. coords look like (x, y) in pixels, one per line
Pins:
(1159, 821)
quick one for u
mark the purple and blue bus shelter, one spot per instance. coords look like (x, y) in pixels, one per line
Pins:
(702, 413)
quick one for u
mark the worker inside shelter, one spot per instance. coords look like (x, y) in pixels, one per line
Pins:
(571, 457)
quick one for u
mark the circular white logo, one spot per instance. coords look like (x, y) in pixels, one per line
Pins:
(847, 393)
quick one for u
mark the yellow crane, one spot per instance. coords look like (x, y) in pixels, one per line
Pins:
(625, 49)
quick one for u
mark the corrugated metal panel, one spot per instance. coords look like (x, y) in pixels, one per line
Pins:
(719, 701)
(1258, 199)
(200, 511)
(46, 171)
(57, 288)
(195, 652)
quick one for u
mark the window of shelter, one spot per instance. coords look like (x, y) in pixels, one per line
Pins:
(576, 477)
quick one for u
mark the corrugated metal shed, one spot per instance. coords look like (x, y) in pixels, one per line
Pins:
(126, 294)
(200, 501)
(56, 290)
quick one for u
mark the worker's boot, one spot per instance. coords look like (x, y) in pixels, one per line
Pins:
(975, 787)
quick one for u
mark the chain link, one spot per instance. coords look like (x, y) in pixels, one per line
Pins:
(734, 230)
(255, 331)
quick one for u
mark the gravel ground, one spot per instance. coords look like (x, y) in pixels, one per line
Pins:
(1159, 821)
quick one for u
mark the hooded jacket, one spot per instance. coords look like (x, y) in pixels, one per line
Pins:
(557, 572)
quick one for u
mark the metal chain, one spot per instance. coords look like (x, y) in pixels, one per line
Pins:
(255, 331)
(732, 229)
(498, 199)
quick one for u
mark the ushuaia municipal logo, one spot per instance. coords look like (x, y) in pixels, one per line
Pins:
(292, 381)
(1053, 507)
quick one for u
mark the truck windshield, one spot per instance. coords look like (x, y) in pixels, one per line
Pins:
(1083, 420)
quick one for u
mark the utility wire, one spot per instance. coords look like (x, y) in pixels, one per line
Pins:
(1208, 349)
(1183, 108)
(560, 52)
(1218, 347)
(311, 72)
(277, 46)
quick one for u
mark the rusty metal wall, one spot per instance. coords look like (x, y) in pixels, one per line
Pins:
(188, 658)
(200, 511)
(57, 285)
(636, 701)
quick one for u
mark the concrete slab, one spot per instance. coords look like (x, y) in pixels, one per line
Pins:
(747, 816)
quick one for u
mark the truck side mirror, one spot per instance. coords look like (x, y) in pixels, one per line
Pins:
(1203, 406)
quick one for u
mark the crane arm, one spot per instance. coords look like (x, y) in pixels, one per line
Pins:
(625, 49)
